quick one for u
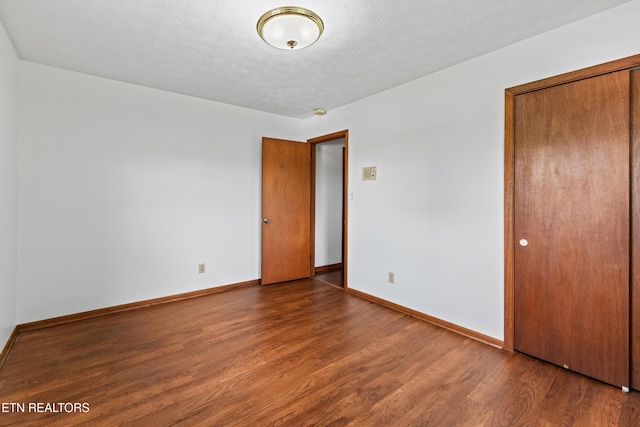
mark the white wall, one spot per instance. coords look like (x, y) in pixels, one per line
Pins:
(8, 185)
(124, 190)
(435, 215)
(329, 186)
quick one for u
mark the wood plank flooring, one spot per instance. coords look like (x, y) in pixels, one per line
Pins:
(331, 277)
(294, 354)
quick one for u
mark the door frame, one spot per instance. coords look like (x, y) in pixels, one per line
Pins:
(509, 176)
(345, 185)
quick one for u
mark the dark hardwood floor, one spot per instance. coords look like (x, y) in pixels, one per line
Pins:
(293, 354)
(331, 277)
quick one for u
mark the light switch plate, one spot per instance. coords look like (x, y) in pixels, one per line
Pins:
(369, 173)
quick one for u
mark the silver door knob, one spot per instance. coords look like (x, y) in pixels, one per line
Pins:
(266, 220)
(524, 242)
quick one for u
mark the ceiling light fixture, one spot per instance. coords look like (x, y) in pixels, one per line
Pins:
(290, 27)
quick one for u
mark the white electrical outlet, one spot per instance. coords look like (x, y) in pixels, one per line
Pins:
(201, 268)
(392, 277)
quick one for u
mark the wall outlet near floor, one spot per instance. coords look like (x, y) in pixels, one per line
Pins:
(200, 268)
(392, 277)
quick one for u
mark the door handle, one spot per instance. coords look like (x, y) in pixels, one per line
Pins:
(266, 220)
(524, 242)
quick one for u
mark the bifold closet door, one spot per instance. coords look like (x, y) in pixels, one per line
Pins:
(572, 226)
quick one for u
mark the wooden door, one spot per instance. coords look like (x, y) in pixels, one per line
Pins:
(635, 227)
(286, 207)
(572, 226)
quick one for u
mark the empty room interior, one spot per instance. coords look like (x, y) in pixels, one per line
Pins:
(423, 213)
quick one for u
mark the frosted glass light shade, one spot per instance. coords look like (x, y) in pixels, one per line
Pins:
(290, 28)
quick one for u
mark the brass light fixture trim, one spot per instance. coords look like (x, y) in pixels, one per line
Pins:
(290, 27)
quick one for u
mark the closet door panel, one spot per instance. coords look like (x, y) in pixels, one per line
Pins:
(635, 226)
(572, 226)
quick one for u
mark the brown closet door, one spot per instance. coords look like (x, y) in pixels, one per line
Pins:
(572, 208)
(635, 221)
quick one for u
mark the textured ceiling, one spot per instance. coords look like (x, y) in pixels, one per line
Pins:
(210, 48)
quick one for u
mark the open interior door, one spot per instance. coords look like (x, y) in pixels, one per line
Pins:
(286, 210)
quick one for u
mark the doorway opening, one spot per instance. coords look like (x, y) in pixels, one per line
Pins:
(329, 160)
